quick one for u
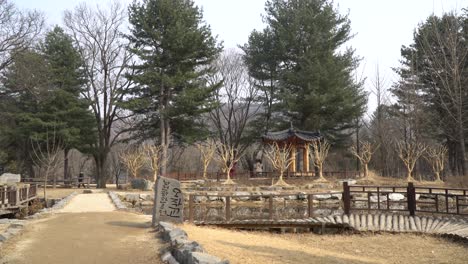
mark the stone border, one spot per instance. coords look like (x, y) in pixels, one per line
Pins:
(117, 202)
(57, 206)
(183, 250)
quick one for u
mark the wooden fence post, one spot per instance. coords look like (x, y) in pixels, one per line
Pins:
(270, 206)
(228, 208)
(18, 198)
(191, 207)
(310, 203)
(346, 198)
(411, 197)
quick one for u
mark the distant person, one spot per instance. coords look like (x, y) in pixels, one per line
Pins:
(81, 180)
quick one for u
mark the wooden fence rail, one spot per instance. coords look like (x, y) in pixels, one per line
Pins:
(268, 200)
(412, 199)
(218, 176)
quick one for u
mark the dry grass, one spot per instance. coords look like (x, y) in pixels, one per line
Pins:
(263, 247)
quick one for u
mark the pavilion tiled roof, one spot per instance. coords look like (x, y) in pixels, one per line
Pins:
(290, 134)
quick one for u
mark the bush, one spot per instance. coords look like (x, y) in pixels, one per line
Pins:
(141, 184)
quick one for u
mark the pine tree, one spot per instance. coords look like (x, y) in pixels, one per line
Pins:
(65, 105)
(175, 49)
(314, 85)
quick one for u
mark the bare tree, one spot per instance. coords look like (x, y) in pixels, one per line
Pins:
(207, 150)
(152, 154)
(443, 43)
(436, 157)
(280, 158)
(47, 156)
(97, 34)
(236, 98)
(318, 154)
(365, 154)
(18, 30)
(227, 157)
(133, 159)
(409, 152)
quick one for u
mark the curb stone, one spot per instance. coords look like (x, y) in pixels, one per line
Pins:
(117, 202)
(183, 250)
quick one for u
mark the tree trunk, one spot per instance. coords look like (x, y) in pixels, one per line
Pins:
(101, 176)
(461, 142)
(366, 170)
(65, 163)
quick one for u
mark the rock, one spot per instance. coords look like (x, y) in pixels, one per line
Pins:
(132, 197)
(375, 199)
(245, 194)
(141, 184)
(301, 196)
(176, 233)
(204, 258)
(337, 196)
(5, 236)
(183, 253)
(350, 181)
(322, 197)
(10, 178)
(168, 258)
(146, 203)
(396, 197)
(146, 197)
(87, 191)
(200, 199)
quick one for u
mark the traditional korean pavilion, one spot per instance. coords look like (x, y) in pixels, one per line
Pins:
(299, 141)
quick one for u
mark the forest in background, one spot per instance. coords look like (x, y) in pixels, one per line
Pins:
(85, 95)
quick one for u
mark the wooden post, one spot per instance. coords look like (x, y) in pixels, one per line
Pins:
(310, 203)
(228, 208)
(411, 197)
(293, 166)
(346, 198)
(270, 206)
(18, 200)
(305, 159)
(191, 207)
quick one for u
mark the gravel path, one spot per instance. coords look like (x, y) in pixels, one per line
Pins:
(93, 202)
(88, 230)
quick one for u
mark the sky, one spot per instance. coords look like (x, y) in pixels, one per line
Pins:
(381, 27)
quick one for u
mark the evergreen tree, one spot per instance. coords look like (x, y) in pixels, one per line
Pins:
(76, 126)
(312, 77)
(175, 49)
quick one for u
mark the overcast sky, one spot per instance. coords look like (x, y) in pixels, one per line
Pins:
(381, 26)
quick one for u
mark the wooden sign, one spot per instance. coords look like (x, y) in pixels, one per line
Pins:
(169, 201)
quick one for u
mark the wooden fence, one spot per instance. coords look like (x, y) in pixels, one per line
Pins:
(13, 197)
(54, 182)
(218, 176)
(267, 202)
(412, 199)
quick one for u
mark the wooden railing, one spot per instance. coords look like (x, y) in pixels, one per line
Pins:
(13, 196)
(74, 181)
(412, 200)
(268, 204)
(218, 176)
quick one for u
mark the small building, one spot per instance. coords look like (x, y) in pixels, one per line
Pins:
(299, 141)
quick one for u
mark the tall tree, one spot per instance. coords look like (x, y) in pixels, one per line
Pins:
(76, 129)
(317, 90)
(98, 37)
(18, 30)
(436, 64)
(175, 50)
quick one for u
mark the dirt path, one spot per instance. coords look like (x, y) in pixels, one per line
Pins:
(96, 234)
(93, 202)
